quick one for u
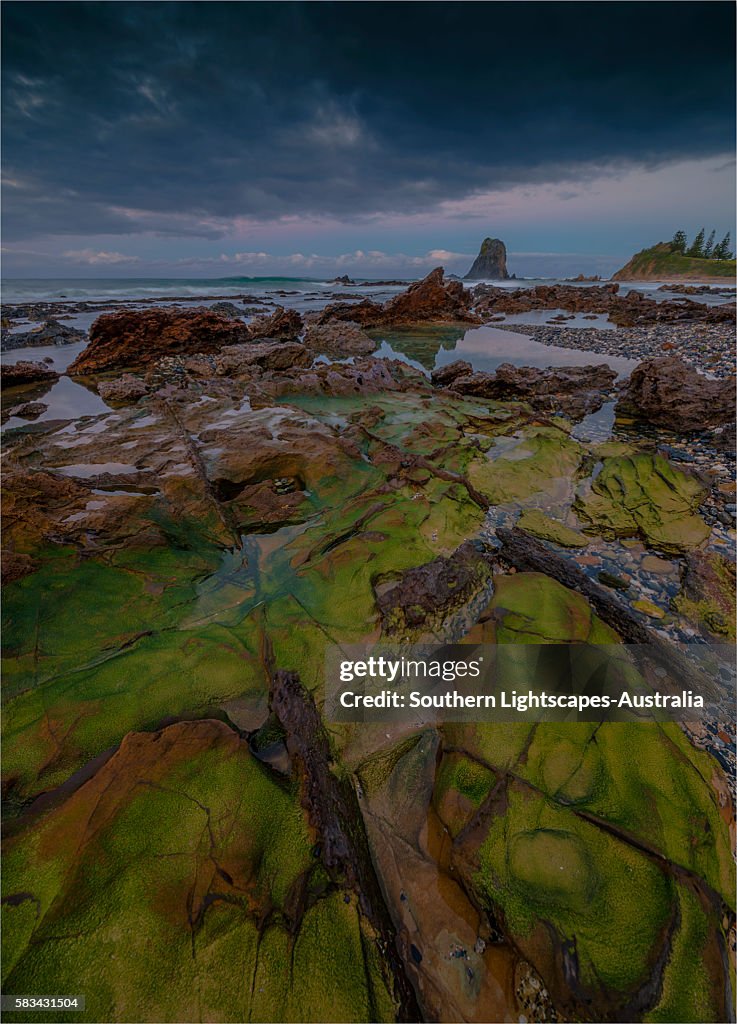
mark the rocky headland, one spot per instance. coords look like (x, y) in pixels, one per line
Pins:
(661, 263)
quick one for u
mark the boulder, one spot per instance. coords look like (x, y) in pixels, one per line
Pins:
(339, 339)
(228, 309)
(141, 338)
(127, 388)
(445, 375)
(534, 521)
(30, 410)
(667, 392)
(26, 372)
(285, 355)
(281, 325)
(491, 262)
(644, 495)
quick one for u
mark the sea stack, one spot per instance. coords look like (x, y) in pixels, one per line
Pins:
(491, 262)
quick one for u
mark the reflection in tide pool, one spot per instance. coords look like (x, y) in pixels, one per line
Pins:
(597, 426)
(485, 348)
(64, 400)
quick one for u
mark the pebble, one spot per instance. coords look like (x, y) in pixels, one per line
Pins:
(708, 347)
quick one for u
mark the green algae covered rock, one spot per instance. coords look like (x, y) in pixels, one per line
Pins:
(541, 862)
(99, 643)
(539, 525)
(529, 607)
(184, 853)
(575, 835)
(643, 495)
(544, 460)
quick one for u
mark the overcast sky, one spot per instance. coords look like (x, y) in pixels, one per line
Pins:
(220, 139)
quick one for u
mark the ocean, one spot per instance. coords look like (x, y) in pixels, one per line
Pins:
(81, 288)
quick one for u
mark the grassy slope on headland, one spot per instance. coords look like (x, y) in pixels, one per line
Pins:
(658, 262)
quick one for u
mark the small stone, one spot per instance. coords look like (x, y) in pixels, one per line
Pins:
(651, 563)
(588, 560)
(648, 608)
(610, 579)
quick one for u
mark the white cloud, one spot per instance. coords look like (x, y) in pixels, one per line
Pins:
(92, 257)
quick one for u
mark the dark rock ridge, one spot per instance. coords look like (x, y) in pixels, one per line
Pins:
(627, 310)
(574, 391)
(329, 797)
(26, 372)
(52, 333)
(491, 262)
(669, 393)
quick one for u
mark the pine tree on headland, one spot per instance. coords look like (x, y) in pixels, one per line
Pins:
(697, 246)
(678, 243)
(722, 251)
(709, 247)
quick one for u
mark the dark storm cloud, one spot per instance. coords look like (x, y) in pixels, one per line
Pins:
(122, 117)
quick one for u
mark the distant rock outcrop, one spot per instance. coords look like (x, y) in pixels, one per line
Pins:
(491, 262)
